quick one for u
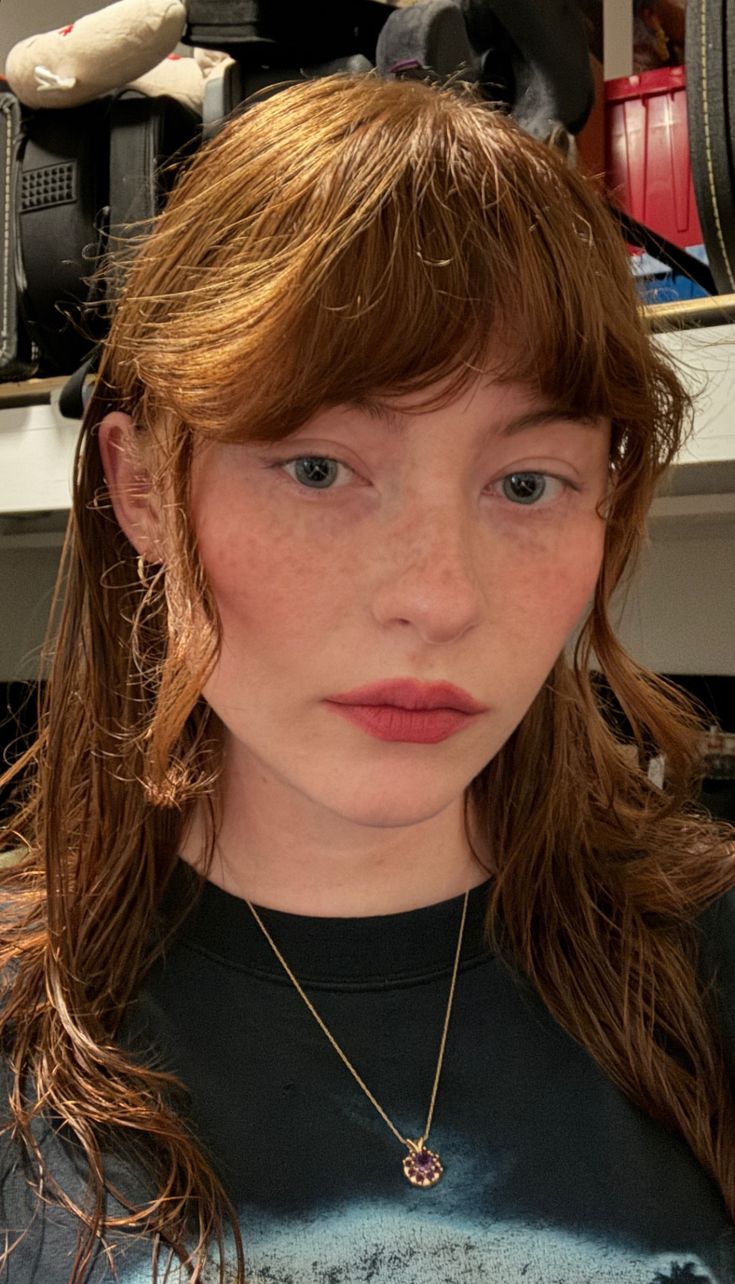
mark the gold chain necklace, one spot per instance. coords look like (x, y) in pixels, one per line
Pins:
(421, 1167)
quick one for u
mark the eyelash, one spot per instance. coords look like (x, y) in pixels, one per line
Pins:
(295, 459)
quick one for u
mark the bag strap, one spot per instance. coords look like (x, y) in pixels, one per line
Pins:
(659, 247)
(18, 355)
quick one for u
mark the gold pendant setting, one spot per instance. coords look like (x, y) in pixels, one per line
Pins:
(422, 1167)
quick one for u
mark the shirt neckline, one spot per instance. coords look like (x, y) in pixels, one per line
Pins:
(380, 949)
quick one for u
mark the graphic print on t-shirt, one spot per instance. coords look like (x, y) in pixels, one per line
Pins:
(374, 1245)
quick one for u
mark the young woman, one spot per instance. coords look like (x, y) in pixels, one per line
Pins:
(347, 941)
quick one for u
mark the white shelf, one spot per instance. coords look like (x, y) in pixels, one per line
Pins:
(36, 455)
(706, 362)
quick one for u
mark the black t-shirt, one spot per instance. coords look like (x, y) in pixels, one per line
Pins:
(552, 1176)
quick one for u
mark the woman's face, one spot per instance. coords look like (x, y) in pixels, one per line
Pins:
(409, 557)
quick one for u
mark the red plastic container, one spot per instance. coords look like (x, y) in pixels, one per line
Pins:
(647, 152)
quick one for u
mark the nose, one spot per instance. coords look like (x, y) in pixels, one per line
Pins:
(433, 574)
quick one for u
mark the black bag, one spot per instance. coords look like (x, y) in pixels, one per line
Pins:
(84, 173)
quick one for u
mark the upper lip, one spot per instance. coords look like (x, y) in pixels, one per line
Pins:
(407, 693)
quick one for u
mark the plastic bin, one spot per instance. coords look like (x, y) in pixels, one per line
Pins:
(647, 152)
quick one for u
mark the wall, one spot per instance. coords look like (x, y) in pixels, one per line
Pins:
(21, 18)
(679, 614)
(26, 586)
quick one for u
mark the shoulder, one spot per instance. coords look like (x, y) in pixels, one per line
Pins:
(716, 964)
(43, 1235)
(716, 933)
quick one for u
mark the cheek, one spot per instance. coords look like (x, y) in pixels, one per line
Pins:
(268, 586)
(273, 578)
(542, 596)
(248, 567)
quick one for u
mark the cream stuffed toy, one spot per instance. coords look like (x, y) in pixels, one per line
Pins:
(126, 45)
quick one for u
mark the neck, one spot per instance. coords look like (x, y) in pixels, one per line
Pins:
(285, 868)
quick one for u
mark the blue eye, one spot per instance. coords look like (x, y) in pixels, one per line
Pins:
(527, 484)
(317, 472)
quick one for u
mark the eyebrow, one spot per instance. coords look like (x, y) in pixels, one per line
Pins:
(395, 419)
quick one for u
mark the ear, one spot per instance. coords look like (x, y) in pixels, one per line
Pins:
(136, 505)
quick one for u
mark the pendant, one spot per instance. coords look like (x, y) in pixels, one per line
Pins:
(422, 1167)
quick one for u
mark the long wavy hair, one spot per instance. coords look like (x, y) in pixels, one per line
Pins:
(344, 237)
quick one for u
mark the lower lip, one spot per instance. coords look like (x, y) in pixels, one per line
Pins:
(420, 726)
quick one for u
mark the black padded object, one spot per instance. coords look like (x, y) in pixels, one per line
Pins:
(426, 37)
(149, 136)
(531, 56)
(18, 358)
(710, 66)
(546, 41)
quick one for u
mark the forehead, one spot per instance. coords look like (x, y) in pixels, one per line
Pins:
(541, 412)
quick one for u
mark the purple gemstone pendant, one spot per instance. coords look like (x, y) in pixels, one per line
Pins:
(422, 1167)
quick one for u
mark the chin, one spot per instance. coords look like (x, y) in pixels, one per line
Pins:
(382, 813)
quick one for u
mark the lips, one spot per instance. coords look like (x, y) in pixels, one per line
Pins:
(417, 726)
(407, 693)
